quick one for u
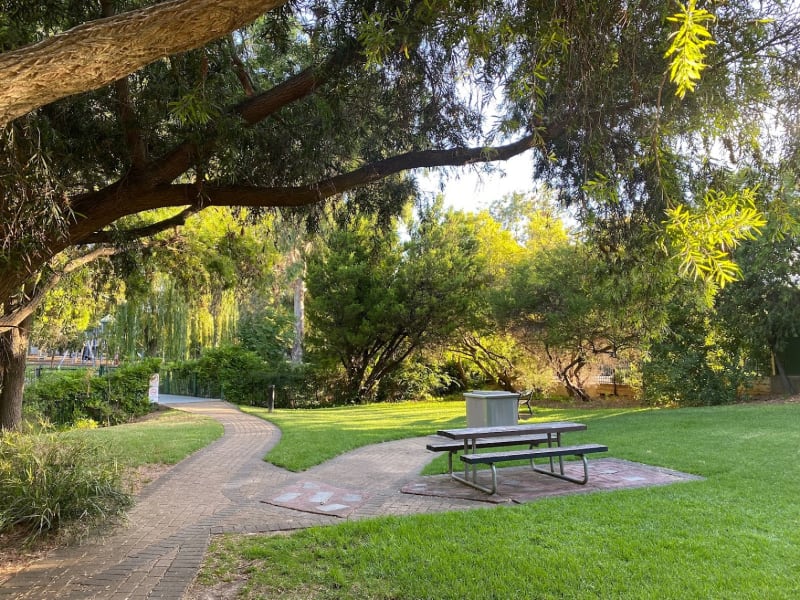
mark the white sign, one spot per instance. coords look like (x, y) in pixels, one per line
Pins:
(153, 391)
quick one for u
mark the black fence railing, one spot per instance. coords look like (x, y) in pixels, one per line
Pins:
(34, 372)
(188, 385)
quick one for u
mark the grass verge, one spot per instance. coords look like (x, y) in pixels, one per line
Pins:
(164, 437)
(312, 436)
(734, 535)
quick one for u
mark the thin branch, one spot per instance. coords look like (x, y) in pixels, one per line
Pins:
(240, 69)
(26, 309)
(129, 235)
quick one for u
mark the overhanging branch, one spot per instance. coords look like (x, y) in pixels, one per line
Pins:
(105, 207)
(99, 52)
(129, 235)
(252, 110)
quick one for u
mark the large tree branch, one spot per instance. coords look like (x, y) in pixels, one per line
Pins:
(99, 209)
(253, 110)
(97, 53)
(129, 235)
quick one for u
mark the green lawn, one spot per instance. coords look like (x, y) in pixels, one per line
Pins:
(734, 535)
(166, 437)
(312, 436)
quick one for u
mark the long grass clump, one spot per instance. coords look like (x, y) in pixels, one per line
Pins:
(50, 482)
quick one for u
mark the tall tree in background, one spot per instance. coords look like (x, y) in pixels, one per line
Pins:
(762, 311)
(186, 290)
(374, 299)
(318, 99)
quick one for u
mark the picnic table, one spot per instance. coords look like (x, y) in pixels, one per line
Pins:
(470, 439)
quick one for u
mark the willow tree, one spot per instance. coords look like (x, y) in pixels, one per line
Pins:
(339, 100)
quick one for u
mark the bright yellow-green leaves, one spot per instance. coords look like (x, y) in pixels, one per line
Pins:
(688, 46)
(703, 238)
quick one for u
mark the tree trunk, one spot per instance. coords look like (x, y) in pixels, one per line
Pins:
(299, 319)
(99, 52)
(787, 383)
(569, 375)
(13, 357)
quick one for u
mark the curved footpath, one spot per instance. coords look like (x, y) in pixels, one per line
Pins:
(221, 488)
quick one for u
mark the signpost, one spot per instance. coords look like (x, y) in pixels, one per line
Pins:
(152, 392)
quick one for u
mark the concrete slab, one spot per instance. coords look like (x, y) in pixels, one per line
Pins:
(319, 498)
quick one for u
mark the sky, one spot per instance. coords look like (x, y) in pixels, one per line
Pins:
(472, 191)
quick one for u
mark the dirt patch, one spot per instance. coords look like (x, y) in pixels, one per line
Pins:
(778, 399)
(15, 556)
(622, 402)
(156, 412)
(223, 590)
(602, 402)
(136, 478)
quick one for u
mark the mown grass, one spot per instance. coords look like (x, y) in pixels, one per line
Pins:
(734, 535)
(312, 436)
(165, 437)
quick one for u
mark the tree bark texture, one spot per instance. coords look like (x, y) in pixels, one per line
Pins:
(13, 355)
(97, 53)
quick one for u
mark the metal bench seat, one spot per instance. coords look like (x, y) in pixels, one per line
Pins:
(492, 458)
(453, 447)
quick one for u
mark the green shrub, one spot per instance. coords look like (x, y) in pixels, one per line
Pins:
(240, 376)
(295, 387)
(690, 375)
(48, 482)
(126, 388)
(234, 368)
(71, 396)
(61, 396)
(417, 380)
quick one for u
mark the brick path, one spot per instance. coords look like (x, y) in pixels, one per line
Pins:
(218, 489)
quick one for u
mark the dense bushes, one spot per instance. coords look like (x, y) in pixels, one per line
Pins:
(48, 481)
(242, 377)
(84, 395)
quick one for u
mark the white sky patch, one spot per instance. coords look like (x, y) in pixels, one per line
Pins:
(470, 190)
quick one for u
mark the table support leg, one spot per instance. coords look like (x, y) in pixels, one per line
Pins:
(561, 475)
(560, 458)
(474, 483)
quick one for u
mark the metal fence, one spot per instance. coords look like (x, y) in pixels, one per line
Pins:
(188, 385)
(34, 372)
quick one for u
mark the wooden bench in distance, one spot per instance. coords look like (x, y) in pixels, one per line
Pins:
(492, 458)
(455, 446)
